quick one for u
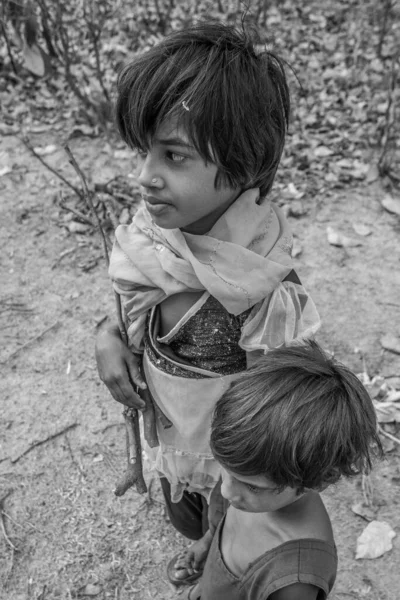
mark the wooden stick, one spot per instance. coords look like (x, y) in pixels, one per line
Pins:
(75, 212)
(149, 420)
(88, 198)
(28, 145)
(134, 473)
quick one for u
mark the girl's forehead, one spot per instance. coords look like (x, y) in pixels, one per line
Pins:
(171, 128)
(173, 131)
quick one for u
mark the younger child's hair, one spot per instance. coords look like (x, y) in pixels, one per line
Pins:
(297, 417)
(231, 97)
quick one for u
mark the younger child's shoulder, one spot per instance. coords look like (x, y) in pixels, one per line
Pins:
(311, 521)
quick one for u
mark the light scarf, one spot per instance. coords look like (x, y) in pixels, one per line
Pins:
(240, 261)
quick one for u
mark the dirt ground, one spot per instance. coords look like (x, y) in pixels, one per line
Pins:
(64, 534)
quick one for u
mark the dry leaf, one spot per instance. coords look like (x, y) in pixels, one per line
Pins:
(364, 511)
(391, 342)
(391, 204)
(82, 129)
(393, 382)
(295, 209)
(5, 170)
(362, 229)
(387, 412)
(89, 590)
(393, 396)
(293, 192)
(50, 149)
(122, 154)
(345, 163)
(337, 239)
(322, 151)
(125, 216)
(297, 248)
(373, 173)
(359, 170)
(34, 59)
(375, 540)
(75, 227)
(331, 177)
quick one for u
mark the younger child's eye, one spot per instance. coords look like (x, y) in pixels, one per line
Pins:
(252, 488)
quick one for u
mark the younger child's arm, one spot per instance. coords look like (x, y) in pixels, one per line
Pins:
(296, 591)
(118, 367)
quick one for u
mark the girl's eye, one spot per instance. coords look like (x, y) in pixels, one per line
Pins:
(177, 158)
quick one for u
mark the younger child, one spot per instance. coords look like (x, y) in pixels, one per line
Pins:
(204, 269)
(287, 428)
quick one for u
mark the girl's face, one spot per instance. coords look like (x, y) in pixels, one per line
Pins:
(255, 494)
(178, 186)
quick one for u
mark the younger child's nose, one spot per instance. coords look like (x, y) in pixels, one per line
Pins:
(228, 490)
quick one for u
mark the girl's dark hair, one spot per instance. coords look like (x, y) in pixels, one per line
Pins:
(298, 417)
(238, 100)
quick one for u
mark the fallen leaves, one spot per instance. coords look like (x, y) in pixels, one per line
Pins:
(362, 229)
(375, 540)
(90, 589)
(46, 150)
(5, 170)
(322, 151)
(335, 238)
(391, 204)
(361, 509)
(387, 412)
(391, 342)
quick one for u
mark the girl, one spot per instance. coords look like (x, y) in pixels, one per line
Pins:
(204, 269)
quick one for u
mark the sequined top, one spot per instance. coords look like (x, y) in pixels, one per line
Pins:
(208, 340)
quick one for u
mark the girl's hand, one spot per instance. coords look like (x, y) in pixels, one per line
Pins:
(119, 368)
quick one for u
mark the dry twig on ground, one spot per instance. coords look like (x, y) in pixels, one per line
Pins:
(40, 442)
(29, 342)
(31, 149)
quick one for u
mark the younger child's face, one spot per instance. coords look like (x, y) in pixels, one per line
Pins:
(255, 494)
(178, 186)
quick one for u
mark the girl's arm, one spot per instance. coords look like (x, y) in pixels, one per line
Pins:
(296, 591)
(118, 367)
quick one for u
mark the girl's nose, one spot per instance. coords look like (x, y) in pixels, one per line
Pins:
(147, 174)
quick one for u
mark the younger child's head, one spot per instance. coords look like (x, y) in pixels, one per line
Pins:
(230, 99)
(297, 420)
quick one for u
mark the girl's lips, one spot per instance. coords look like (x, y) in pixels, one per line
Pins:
(156, 208)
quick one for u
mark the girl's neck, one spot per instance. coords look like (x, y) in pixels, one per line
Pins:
(203, 226)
